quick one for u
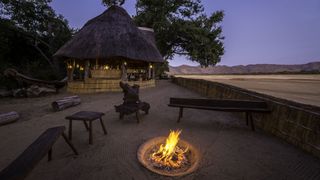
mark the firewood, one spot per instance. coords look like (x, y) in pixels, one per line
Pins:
(66, 102)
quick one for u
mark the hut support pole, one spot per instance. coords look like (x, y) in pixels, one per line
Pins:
(97, 64)
(153, 71)
(124, 73)
(149, 72)
(86, 69)
(71, 70)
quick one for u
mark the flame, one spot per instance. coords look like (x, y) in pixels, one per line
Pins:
(170, 154)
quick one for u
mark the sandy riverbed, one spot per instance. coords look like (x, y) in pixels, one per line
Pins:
(230, 150)
(300, 88)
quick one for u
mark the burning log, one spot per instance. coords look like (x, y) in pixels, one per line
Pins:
(169, 156)
(65, 103)
(9, 117)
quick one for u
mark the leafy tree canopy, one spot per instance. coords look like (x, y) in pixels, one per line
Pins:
(32, 33)
(182, 27)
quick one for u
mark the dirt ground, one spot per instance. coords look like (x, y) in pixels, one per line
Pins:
(229, 149)
(300, 88)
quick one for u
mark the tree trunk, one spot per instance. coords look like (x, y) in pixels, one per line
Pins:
(44, 56)
(9, 117)
(66, 102)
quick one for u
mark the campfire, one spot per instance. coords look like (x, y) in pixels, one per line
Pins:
(169, 156)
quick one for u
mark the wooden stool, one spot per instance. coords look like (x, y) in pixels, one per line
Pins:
(86, 116)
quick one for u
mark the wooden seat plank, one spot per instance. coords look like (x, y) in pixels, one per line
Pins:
(24, 163)
(246, 106)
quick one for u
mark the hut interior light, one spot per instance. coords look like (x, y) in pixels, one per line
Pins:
(150, 66)
(69, 66)
(125, 63)
(81, 68)
(106, 67)
(77, 65)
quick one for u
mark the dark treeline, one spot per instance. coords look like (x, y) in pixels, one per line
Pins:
(30, 33)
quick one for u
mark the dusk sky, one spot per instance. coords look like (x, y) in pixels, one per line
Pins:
(256, 31)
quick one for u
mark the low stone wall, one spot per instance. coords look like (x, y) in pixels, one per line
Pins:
(298, 124)
(103, 85)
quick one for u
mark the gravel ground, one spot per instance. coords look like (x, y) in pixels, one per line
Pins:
(229, 149)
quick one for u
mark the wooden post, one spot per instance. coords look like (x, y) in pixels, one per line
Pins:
(124, 73)
(251, 121)
(103, 127)
(180, 114)
(247, 118)
(97, 64)
(70, 71)
(153, 71)
(70, 129)
(50, 154)
(86, 69)
(137, 116)
(86, 125)
(70, 144)
(90, 133)
(149, 71)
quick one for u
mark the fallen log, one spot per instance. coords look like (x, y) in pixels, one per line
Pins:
(10, 72)
(19, 93)
(9, 117)
(36, 91)
(65, 103)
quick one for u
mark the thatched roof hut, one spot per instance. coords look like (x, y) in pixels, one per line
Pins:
(111, 35)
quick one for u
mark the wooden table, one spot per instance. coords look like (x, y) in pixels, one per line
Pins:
(86, 116)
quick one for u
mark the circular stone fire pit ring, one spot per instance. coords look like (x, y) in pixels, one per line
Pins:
(148, 147)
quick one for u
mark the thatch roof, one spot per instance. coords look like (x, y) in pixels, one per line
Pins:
(148, 34)
(111, 35)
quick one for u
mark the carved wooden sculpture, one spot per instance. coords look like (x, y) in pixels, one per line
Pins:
(131, 102)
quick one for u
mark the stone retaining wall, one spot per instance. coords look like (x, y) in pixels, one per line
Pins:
(104, 85)
(298, 124)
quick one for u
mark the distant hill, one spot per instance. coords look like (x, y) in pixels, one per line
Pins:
(313, 67)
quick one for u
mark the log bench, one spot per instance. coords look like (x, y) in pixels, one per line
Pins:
(65, 103)
(23, 165)
(246, 106)
(9, 117)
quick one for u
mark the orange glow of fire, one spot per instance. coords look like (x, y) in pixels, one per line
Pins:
(170, 154)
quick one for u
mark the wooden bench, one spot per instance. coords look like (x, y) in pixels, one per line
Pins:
(246, 106)
(23, 165)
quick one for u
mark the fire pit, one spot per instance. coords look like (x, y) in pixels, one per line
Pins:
(169, 156)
